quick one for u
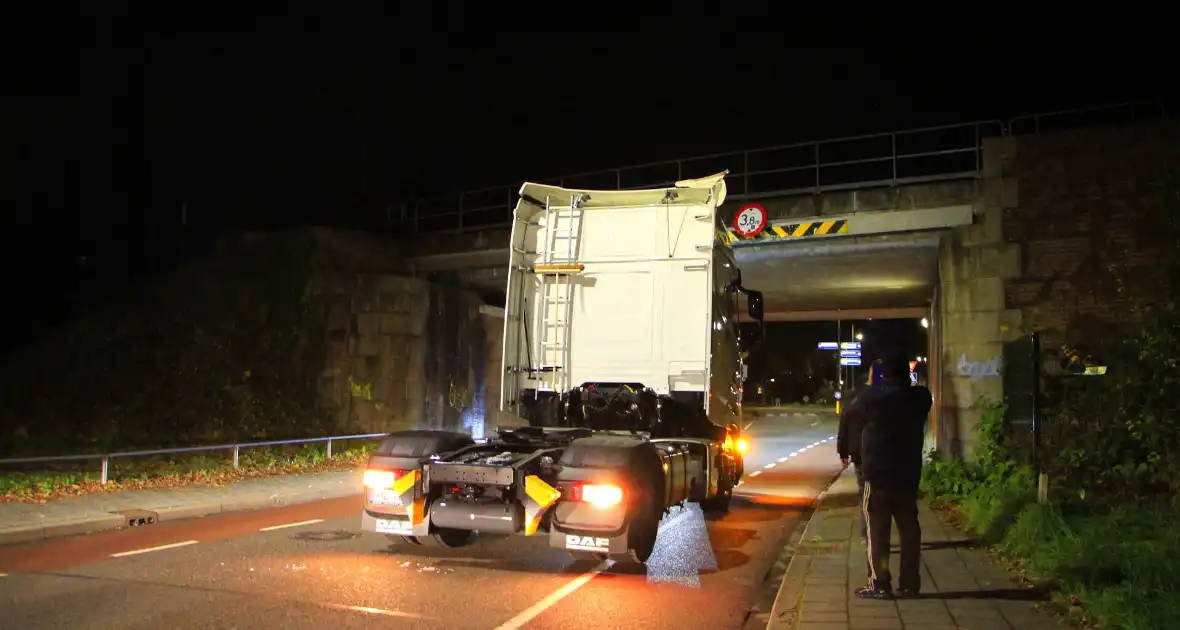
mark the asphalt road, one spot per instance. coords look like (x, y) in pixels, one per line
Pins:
(308, 566)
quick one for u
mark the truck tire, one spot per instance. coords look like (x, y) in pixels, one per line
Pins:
(719, 503)
(398, 539)
(641, 536)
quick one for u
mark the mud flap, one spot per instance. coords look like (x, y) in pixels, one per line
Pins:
(405, 496)
(589, 543)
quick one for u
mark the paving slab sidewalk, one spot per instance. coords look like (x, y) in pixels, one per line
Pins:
(962, 589)
(88, 513)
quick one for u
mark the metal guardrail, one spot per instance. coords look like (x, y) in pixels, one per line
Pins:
(236, 448)
(911, 156)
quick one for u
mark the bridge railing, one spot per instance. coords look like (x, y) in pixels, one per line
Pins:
(912, 156)
(104, 459)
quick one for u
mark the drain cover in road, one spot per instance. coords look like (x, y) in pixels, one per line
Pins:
(325, 536)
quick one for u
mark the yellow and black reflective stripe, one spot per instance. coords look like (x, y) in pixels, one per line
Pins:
(830, 227)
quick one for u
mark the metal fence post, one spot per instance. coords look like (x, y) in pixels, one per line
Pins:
(236, 449)
(106, 466)
(1038, 465)
(329, 456)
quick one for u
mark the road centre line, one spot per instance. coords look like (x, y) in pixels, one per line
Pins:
(374, 611)
(274, 527)
(151, 549)
(531, 612)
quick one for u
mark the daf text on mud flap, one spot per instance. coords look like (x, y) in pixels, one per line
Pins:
(586, 543)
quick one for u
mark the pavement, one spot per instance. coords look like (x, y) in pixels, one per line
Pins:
(102, 511)
(962, 589)
(305, 563)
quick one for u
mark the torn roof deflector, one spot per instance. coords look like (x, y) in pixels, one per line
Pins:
(704, 190)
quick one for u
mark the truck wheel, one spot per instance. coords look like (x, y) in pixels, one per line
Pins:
(719, 504)
(404, 540)
(641, 536)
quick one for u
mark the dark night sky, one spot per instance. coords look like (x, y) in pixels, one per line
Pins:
(261, 121)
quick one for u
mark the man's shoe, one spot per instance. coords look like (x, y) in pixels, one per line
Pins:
(874, 593)
(906, 593)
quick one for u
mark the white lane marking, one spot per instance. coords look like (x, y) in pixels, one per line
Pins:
(151, 549)
(783, 459)
(756, 473)
(815, 423)
(793, 453)
(748, 425)
(274, 527)
(3, 575)
(770, 465)
(529, 613)
(374, 611)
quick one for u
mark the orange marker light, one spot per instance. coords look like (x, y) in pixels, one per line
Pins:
(742, 445)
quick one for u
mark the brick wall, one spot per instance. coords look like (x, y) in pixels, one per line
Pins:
(1088, 200)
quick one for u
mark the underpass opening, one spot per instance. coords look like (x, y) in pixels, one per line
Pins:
(834, 305)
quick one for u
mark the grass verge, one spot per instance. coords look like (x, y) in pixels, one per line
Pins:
(169, 471)
(1109, 568)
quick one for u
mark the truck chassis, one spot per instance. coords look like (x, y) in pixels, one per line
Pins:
(591, 492)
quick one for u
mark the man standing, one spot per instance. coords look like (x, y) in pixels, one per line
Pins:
(894, 414)
(848, 444)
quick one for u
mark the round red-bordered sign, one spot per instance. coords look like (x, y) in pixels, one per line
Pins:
(750, 220)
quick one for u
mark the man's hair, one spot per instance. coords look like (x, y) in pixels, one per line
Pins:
(895, 365)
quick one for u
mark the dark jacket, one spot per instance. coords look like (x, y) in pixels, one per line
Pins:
(851, 426)
(894, 414)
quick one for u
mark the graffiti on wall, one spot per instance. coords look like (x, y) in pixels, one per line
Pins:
(979, 369)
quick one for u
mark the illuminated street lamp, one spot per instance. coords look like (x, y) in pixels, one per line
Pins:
(860, 336)
(925, 323)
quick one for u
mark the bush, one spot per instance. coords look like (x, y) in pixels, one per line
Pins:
(1119, 563)
(1117, 559)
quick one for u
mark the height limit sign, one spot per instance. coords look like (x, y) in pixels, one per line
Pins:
(750, 220)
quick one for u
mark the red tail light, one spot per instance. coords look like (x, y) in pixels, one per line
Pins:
(599, 495)
(381, 479)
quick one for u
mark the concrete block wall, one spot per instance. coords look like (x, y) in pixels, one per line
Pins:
(973, 321)
(391, 365)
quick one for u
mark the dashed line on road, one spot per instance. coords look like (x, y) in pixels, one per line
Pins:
(151, 549)
(529, 613)
(756, 473)
(374, 611)
(770, 465)
(300, 523)
(748, 425)
(3, 575)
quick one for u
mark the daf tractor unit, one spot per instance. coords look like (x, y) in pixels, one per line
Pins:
(623, 361)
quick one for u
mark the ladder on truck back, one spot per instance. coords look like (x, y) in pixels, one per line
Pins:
(555, 270)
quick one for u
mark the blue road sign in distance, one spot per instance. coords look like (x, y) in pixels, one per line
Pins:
(850, 345)
(828, 345)
(849, 361)
(850, 354)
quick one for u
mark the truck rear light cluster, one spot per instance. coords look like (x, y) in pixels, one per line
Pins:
(601, 496)
(381, 479)
(740, 445)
